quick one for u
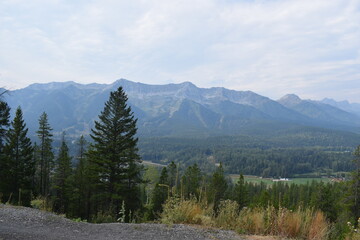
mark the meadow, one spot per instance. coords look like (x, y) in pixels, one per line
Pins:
(270, 181)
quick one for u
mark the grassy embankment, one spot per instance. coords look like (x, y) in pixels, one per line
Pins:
(299, 224)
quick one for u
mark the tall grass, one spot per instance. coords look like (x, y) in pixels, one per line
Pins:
(354, 232)
(300, 224)
(189, 211)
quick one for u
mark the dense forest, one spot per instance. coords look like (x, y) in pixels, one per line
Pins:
(283, 156)
(104, 180)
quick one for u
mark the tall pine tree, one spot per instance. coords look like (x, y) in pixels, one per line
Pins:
(218, 187)
(160, 193)
(192, 181)
(46, 156)
(19, 163)
(114, 155)
(240, 193)
(4, 121)
(4, 124)
(80, 200)
(62, 178)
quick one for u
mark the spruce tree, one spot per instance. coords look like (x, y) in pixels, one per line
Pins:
(192, 180)
(114, 155)
(80, 200)
(173, 174)
(62, 177)
(160, 193)
(4, 121)
(19, 164)
(4, 124)
(240, 192)
(218, 187)
(46, 155)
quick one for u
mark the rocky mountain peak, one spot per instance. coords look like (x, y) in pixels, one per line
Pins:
(290, 100)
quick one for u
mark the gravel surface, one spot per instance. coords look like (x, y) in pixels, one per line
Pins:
(33, 224)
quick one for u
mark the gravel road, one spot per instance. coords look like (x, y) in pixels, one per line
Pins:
(33, 224)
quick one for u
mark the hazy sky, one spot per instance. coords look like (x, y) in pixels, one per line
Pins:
(272, 47)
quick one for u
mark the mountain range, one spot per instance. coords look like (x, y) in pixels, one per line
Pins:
(181, 109)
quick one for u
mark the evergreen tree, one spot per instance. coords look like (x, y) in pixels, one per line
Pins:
(240, 192)
(161, 192)
(62, 174)
(173, 174)
(4, 121)
(218, 187)
(192, 180)
(4, 124)
(80, 200)
(114, 156)
(19, 164)
(46, 156)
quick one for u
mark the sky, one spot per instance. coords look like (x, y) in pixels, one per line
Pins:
(272, 47)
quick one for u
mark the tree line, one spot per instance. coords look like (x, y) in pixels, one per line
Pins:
(103, 175)
(249, 155)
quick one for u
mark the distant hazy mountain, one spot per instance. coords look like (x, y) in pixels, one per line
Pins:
(176, 109)
(344, 105)
(321, 113)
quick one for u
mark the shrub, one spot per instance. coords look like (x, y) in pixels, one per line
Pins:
(228, 214)
(103, 217)
(189, 211)
(354, 233)
(41, 203)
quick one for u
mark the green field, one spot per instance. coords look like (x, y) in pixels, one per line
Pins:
(269, 181)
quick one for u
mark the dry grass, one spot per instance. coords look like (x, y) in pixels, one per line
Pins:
(318, 227)
(283, 223)
(228, 215)
(184, 211)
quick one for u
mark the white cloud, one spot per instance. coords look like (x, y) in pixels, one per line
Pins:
(271, 47)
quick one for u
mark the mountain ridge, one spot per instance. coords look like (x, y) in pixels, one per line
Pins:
(176, 109)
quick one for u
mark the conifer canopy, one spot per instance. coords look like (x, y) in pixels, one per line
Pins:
(114, 155)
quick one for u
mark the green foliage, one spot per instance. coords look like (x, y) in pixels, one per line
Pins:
(240, 193)
(62, 179)
(191, 181)
(103, 217)
(4, 121)
(42, 203)
(80, 187)
(4, 124)
(79, 220)
(18, 162)
(160, 193)
(218, 187)
(46, 156)
(173, 174)
(114, 161)
(354, 188)
(276, 156)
